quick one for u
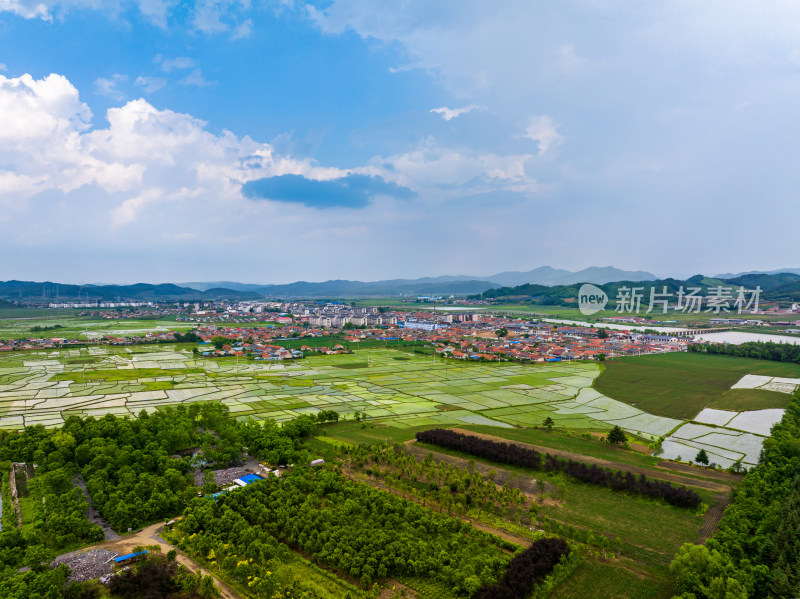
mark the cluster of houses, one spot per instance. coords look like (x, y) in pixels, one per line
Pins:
(466, 336)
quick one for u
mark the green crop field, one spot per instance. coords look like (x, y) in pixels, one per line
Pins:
(680, 385)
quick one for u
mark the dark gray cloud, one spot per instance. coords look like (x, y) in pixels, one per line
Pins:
(351, 191)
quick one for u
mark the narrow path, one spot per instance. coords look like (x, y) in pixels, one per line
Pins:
(14, 497)
(712, 517)
(92, 514)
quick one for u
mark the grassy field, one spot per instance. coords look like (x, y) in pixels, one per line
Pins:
(611, 580)
(680, 385)
(650, 531)
(657, 528)
(744, 399)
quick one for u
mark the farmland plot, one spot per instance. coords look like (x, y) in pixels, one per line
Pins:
(46, 387)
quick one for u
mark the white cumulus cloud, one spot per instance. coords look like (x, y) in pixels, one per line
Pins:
(544, 131)
(155, 11)
(451, 113)
(145, 156)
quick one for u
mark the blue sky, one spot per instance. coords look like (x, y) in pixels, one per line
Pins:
(275, 141)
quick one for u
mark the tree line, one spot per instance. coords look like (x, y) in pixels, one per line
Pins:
(778, 352)
(451, 487)
(366, 534)
(756, 549)
(516, 455)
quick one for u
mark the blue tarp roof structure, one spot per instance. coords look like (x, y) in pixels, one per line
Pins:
(124, 558)
(250, 478)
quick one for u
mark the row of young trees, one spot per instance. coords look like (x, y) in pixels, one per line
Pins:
(449, 486)
(778, 352)
(526, 570)
(756, 549)
(516, 455)
(365, 533)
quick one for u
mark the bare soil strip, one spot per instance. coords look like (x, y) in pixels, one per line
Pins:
(712, 517)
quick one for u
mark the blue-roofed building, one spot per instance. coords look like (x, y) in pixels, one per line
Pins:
(129, 558)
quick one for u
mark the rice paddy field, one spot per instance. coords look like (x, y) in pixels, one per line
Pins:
(399, 392)
(393, 388)
(72, 326)
(25, 323)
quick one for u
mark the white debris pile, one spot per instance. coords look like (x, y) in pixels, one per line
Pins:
(87, 565)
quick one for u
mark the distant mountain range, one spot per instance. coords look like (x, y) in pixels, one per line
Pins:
(547, 275)
(794, 271)
(56, 292)
(444, 285)
(544, 282)
(781, 286)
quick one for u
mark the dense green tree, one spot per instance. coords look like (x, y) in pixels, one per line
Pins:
(616, 436)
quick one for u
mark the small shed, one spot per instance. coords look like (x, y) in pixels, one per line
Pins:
(129, 558)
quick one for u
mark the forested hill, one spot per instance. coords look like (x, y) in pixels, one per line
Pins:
(54, 292)
(783, 286)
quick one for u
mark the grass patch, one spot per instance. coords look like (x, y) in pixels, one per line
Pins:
(27, 505)
(158, 385)
(679, 385)
(611, 580)
(648, 531)
(750, 399)
(352, 432)
(122, 374)
(79, 360)
(637, 522)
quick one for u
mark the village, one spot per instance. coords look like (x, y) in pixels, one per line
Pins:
(332, 328)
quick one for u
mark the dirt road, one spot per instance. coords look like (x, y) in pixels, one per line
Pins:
(149, 536)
